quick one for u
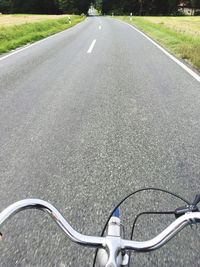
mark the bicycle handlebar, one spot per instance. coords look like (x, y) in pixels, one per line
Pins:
(55, 215)
(164, 236)
(101, 242)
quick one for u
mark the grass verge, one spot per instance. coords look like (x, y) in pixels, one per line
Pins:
(180, 35)
(12, 37)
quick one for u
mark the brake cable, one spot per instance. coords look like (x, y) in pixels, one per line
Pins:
(124, 199)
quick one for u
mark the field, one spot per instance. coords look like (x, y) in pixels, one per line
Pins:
(11, 20)
(180, 35)
(19, 30)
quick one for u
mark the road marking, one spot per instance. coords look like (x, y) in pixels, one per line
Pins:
(100, 21)
(181, 64)
(18, 50)
(99, 27)
(91, 46)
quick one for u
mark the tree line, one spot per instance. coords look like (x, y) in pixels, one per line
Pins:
(146, 7)
(44, 6)
(118, 7)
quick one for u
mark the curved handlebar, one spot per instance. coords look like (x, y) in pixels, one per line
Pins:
(164, 236)
(100, 242)
(56, 216)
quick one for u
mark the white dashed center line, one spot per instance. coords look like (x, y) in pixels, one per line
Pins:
(91, 46)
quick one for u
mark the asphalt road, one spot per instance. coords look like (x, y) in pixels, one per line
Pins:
(82, 130)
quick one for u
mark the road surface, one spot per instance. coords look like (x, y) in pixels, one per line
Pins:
(86, 117)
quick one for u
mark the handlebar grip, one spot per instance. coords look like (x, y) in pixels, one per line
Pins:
(185, 209)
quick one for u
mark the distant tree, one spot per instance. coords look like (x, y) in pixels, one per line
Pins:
(5, 6)
(142, 7)
(48, 7)
(119, 6)
(82, 6)
(130, 6)
(187, 3)
(195, 3)
(159, 7)
(34, 6)
(74, 6)
(146, 7)
(67, 6)
(173, 6)
(98, 5)
(107, 6)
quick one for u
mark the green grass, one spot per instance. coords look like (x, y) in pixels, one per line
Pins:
(180, 35)
(12, 37)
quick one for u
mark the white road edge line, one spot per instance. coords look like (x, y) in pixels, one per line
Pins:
(18, 50)
(91, 46)
(181, 64)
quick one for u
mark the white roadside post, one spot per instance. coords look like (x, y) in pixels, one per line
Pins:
(69, 19)
(131, 14)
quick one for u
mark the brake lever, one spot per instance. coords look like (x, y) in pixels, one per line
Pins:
(188, 208)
